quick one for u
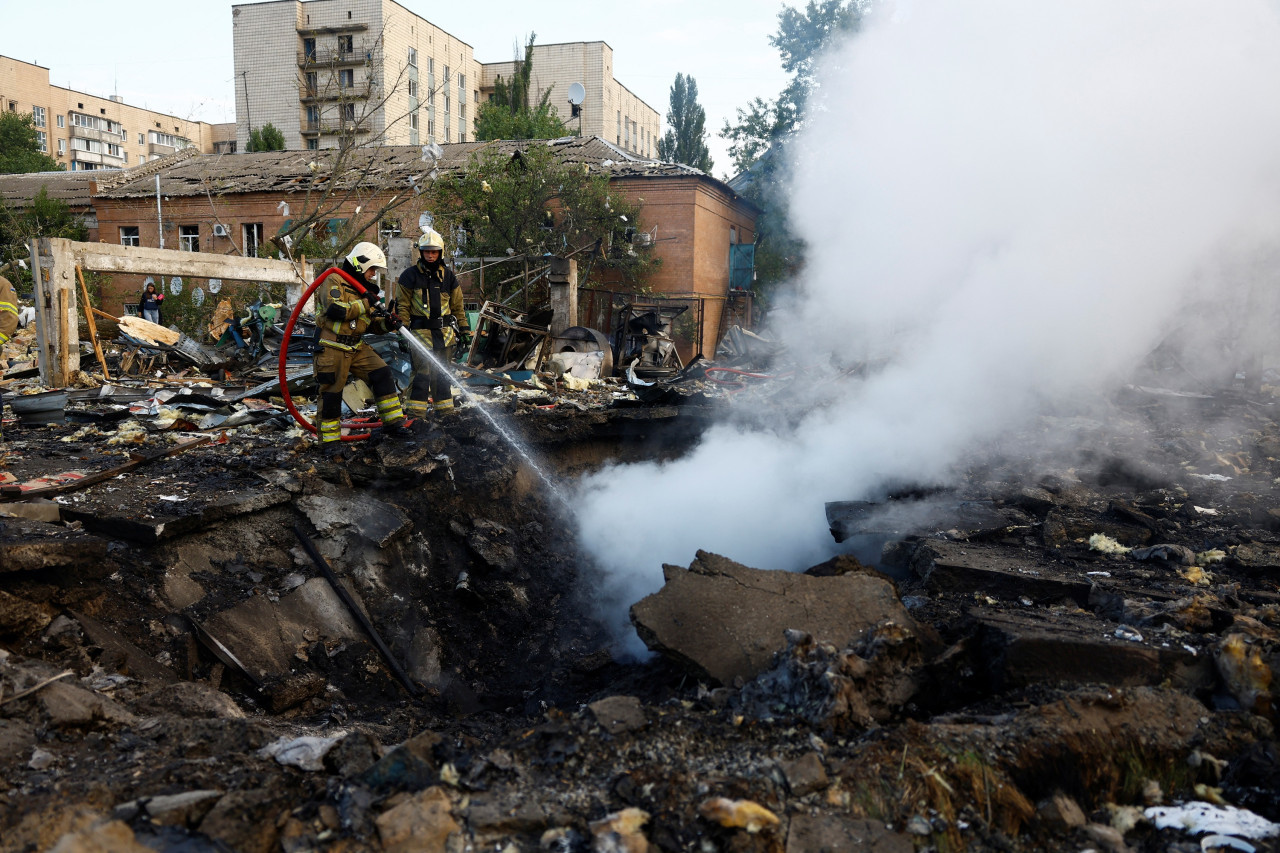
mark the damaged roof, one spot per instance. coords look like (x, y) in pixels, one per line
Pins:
(74, 188)
(188, 173)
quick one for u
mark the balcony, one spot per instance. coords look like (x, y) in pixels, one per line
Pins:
(332, 57)
(331, 91)
(85, 156)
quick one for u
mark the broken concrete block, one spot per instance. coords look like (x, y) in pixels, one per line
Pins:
(376, 521)
(496, 816)
(247, 820)
(122, 655)
(1029, 647)
(185, 809)
(72, 706)
(822, 833)
(805, 774)
(266, 636)
(726, 620)
(999, 571)
(1061, 812)
(618, 714)
(21, 618)
(27, 546)
(193, 700)
(420, 824)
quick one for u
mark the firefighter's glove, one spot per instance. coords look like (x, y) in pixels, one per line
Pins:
(393, 322)
(464, 339)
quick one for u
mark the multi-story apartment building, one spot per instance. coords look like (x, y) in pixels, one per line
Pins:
(87, 132)
(334, 72)
(609, 109)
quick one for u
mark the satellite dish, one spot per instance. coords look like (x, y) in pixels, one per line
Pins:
(576, 93)
(197, 297)
(215, 284)
(175, 285)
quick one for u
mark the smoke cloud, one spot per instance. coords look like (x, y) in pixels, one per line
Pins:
(1012, 203)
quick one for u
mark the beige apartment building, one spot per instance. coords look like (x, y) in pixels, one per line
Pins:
(333, 72)
(609, 110)
(86, 132)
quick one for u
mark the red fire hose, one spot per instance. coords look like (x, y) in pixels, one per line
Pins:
(284, 353)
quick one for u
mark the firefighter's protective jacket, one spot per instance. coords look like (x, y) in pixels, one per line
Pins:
(8, 310)
(425, 296)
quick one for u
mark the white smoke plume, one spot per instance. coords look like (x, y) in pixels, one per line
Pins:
(1010, 200)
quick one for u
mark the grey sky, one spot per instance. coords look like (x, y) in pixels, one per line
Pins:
(176, 56)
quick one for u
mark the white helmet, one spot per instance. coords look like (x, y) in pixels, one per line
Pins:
(431, 239)
(365, 256)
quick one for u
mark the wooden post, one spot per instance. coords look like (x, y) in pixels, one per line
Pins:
(93, 326)
(64, 332)
(56, 301)
(563, 284)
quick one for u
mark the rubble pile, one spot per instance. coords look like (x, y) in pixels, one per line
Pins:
(214, 638)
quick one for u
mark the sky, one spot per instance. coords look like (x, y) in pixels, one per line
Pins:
(176, 57)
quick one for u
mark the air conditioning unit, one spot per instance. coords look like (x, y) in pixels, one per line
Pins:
(220, 230)
(642, 238)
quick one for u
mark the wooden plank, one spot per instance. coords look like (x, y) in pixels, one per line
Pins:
(64, 332)
(145, 330)
(105, 257)
(93, 327)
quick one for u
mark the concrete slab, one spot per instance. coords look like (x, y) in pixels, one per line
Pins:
(27, 545)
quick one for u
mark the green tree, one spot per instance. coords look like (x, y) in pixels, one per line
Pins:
(510, 114)
(686, 138)
(20, 147)
(43, 217)
(531, 203)
(266, 138)
(758, 139)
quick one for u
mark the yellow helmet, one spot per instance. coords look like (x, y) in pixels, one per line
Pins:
(431, 239)
(365, 256)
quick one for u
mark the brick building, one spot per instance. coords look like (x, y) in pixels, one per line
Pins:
(86, 132)
(233, 204)
(334, 72)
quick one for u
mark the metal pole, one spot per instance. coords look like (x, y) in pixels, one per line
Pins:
(159, 214)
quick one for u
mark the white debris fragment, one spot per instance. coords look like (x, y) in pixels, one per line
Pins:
(305, 753)
(173, 498)
(1124, 632)
(1199, 817)
(1099, 574)
(1217, 478)
(1107, 545)
(1204, 510)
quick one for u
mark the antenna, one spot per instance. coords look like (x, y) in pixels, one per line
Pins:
(576, 95)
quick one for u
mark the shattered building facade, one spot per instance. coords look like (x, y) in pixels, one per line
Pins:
(232, 204)
(331, 72)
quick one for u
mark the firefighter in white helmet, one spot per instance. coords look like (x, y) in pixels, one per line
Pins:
(429, 301)
(344, 316)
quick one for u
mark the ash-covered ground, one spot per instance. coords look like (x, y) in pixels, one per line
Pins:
(1030, 660)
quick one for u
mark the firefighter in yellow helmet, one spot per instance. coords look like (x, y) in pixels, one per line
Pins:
(429, 301)
(8, 317)
(345, 317)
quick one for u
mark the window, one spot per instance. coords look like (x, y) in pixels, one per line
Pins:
(189, 238)
(309, 49)
(313, 144)
(113, 150)
(347, 78)
(168, 139)
(141, 138)
(38, 117)
(349, 113)
(413, 88)
(252, 238)
(462, 135)
(126, 155)
(447, 102)
(346, 44)
(431, 65)
(413, 57)
(129, 236)
(446, 75)
(42, 141)
(462, 110)
(313, 117)
(618, 140)
(62, 120)
(413, 120)
(62, 147)
(462, 88)
(311, 82)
